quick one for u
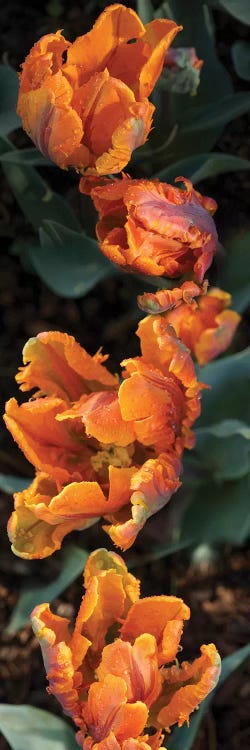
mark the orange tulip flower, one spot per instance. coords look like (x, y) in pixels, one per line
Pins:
(91, 110)
(205, 326)
(112, 674)
(100, 448)
(154, 228)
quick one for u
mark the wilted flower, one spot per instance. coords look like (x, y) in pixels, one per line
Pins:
(205, 326)
(154, 228)
(113, 673)
(181, 70)
(86, 104)
(100, 448)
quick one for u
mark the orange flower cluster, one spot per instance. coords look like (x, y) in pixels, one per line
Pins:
(86, 104)
(113, 673)
(100, 448)
(154, 228)
(205, 326)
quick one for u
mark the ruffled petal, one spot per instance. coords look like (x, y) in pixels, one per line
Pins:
(187, 686)
(101, 415)
(164, 616)
(152, 487)
(57, 365)
(137, 664)
(46, 443)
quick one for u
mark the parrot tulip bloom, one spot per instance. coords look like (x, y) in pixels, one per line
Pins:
(112, 674)
(154, 228)
(91, 110)
(100, 448)
(205, 325)
(181, 70)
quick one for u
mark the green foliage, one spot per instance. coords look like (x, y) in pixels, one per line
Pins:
(29, 728)
(223, 449)
(73, 560)
(240, 9)
(234, 275)
(10, 483)
(33, 194)
(145, 10)
(9, 120)
(241, 59)
(69, 262)
(219, 513)
(228, 396)
(183, 738)
(201, 166)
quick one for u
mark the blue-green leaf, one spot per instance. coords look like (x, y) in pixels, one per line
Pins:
(241, 59)
(10, 483)
(234, 274)
(73, 562)
(228, 397)
(223, 449)
(145, 10)
(219, 513)
(201, 166)
(29, 728)
(69, 262)
(33, 194)
(9, 120)
(183, 738)
(217, 114)
(238, 8)
(26, 156)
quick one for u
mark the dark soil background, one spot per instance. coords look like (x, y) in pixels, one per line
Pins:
(217, 590)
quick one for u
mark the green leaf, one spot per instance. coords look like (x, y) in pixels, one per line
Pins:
(228, 397)
(224, 449)
(234, 275)
(73, 562)
(241, 59)
(69, 262)
(27, 156)
(217, 114)
(145, 10)
(215, 82)
(9, 120)
(10, 483)
(183, 738)
(162, 550)
(240, 9)
(219, 513)
(33, 194)
(201, 166)
(29, 728)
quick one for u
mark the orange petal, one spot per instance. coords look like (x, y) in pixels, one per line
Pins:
(214, 341)
(107, 710)
(54, 637)
(137, 665)
(166, 299)
(201, 676)
(46, 443)
(140, 64)
(161, 615)
(102, 418)
(115, 26)
(57, 365)
(34, 539)
(130, 134)
(152, 486)
(100, 560)
(34, 530)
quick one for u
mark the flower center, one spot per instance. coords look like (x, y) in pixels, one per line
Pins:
(112, 455)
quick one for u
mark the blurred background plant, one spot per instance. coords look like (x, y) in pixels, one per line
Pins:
(54, 276)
